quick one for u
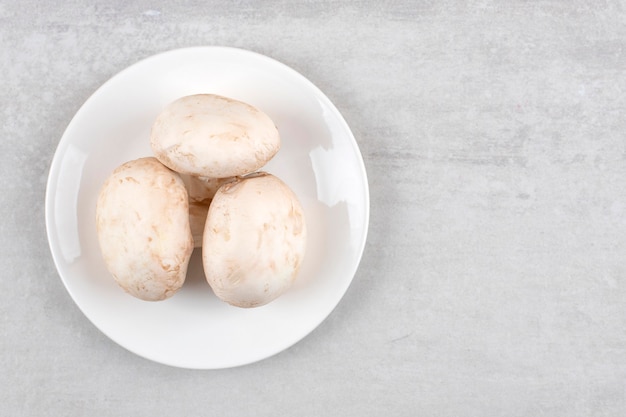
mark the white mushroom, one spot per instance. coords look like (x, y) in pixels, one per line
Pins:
(197, 219)
(142, 221)
(207, 135)
(254, 240)
(201, 191)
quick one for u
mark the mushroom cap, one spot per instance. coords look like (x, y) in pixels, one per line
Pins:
(254, 240)
(142, 222)
(208, 135)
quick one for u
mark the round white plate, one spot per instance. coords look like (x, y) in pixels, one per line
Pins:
(319, 159)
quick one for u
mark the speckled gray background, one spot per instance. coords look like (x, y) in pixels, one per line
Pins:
(494, 279)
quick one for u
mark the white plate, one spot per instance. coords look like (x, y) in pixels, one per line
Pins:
(319, 160)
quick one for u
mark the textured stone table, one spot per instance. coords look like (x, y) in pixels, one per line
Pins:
(494, 280)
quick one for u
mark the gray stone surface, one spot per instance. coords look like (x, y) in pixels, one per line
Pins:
(494, 280)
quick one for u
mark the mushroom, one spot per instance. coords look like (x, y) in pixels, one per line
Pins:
(142, 222)
(207, 135)
(254, 240)
(201, 191)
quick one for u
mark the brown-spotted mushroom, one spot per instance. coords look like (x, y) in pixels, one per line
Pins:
(254, 240)
(142, 221)
(207, 135)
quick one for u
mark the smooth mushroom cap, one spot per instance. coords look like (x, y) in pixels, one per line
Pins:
(254, 240)
(207, 135)
(142, 221)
